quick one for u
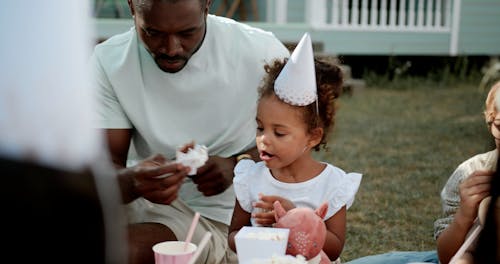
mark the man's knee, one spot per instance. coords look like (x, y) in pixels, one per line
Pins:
(141, 239)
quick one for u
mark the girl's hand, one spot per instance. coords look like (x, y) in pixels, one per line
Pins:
(265, 204)
(472, 191)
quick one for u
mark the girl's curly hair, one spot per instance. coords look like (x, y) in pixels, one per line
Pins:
(329, 80)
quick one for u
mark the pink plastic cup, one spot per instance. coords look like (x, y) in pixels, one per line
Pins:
(172, 252)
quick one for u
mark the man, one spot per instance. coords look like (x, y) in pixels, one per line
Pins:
(180, 75)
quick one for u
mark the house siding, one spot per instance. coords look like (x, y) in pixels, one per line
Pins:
(478, 34)
(479, 28)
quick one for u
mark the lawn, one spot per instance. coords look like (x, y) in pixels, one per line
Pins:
(406, 143)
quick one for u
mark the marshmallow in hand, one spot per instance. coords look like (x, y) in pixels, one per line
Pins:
(194, 158)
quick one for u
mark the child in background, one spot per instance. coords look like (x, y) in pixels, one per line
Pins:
(476, 184)
(295, 112)
(469, 184)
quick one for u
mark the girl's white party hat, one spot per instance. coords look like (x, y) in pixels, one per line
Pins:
(296, 83)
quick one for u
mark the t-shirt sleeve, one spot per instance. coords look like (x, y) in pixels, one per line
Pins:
(277, 50)
(272, 48)
(450, 200)
(344, 192)
(242, 170)
(450, 195)
(109, 113)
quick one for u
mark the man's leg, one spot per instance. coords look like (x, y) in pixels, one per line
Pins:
(152, 223)
(141, 239)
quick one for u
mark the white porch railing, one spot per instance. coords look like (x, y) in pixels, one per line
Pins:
(440, 16)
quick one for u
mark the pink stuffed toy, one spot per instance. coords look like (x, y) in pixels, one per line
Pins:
(307, 230)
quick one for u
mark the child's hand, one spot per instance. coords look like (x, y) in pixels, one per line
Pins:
(266, 216)
(268, 201)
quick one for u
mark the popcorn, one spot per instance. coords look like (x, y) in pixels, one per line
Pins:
(194, 158)
(266, 236)
(287, 259)
(254, 243)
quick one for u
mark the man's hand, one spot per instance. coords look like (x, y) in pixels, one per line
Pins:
(154, 178)
(215, 176)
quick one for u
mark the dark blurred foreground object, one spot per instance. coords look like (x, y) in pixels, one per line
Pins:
(57, 216)
(60, 196)
(488, 244)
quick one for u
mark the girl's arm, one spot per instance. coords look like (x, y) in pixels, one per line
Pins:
(335, 234)
(472, 191)
(240, 218)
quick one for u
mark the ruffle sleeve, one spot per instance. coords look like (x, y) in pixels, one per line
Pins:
(240, 183)
(344, 192)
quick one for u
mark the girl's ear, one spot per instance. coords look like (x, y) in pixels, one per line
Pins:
(315, 137)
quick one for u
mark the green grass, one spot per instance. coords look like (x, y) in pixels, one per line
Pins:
(406, 143)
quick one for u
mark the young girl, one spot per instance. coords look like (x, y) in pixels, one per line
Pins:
(469, 230)
(468, 185)
(292, 121)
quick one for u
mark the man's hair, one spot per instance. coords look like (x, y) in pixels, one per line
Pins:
(140, 4)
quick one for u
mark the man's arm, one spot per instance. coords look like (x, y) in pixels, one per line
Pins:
(252, 154)
(118, 145)
(217, 174)
(118, 141)
(146, 178)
